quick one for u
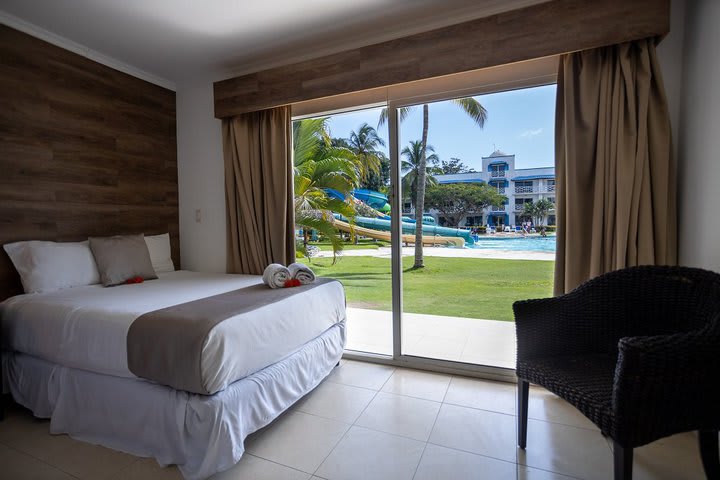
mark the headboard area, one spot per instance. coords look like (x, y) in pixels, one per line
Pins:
(84, 150)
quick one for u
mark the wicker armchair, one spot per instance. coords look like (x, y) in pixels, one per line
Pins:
(637, 351)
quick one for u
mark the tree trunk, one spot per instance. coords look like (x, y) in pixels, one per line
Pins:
(420, 199)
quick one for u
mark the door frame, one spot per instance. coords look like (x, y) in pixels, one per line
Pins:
(398, 358)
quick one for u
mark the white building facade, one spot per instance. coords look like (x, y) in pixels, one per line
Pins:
(518, 185)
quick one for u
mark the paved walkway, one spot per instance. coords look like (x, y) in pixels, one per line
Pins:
(470, 340)
(449, 252)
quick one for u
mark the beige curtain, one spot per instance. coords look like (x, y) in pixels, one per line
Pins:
(616, 178)
(258, 190)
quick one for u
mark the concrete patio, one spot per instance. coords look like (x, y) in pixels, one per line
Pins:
(470, 340)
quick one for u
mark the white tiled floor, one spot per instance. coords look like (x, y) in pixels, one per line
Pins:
(375, 422)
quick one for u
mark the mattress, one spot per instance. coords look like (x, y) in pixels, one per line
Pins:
(201, 434)
(86, 327)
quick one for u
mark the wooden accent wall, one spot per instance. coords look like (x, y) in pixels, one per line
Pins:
(84, 150)
(551, 28)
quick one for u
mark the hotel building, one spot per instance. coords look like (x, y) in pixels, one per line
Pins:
(519, 185)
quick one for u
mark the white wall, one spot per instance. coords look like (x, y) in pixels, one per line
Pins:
(201, 179)
(670, 56)
(699, 138)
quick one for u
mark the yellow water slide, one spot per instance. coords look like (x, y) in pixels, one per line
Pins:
(380, 235)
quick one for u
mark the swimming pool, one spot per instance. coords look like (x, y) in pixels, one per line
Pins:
(532, 244)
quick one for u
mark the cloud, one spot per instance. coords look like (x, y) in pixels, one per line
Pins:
(531, 133)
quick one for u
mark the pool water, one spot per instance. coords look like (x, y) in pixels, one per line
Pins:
(532, 244)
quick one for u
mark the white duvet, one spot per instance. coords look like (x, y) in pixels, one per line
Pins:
(86, 327)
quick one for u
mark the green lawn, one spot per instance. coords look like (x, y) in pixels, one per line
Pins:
(462, 287)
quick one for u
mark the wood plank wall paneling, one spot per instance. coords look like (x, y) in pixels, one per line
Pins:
(551, 28)
(84, 150)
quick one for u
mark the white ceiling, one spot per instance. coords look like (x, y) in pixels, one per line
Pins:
(179, 39)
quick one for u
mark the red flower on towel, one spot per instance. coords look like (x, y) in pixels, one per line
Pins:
(292, 282)
(135, 279)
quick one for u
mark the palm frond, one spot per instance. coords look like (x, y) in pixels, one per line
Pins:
(307, 138)
(323, 226)
(403, 113)
(473, 108)
(337, 166)
(382, 120)
(301, 184)
(336, 205)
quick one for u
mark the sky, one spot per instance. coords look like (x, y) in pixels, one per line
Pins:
(519, 122)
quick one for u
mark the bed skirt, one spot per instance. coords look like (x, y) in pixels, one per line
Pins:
(201, 434)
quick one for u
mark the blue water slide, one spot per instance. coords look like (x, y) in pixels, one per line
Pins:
(375, 199)
(427, 220)
(335, 194)
(409, 228)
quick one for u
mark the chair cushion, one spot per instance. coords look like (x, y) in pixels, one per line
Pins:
(586, 382)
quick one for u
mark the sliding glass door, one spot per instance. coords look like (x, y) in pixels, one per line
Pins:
(473, 234)
(433, 228)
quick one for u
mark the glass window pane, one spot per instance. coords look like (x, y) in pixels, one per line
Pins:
(482, 249)
(342, 174)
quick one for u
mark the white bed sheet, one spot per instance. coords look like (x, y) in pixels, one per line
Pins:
(86, 327)
(201, 434)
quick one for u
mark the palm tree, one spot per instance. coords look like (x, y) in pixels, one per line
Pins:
(538, 211)
(477, 113)
(410, 166)
(364, 143)
(319, 166)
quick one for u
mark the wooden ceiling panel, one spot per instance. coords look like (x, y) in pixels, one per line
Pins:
(542, 30)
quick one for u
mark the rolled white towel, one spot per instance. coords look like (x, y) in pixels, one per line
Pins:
(275, 275)
(302, 273)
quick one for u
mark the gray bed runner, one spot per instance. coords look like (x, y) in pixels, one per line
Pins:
(166, 345)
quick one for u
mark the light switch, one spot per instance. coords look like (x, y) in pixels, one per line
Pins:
(198, 218)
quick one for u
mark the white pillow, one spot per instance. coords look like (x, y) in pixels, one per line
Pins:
(159, 248)
(48, 266)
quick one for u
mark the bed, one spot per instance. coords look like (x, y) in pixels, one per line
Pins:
(68, 357)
